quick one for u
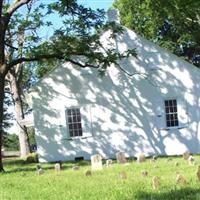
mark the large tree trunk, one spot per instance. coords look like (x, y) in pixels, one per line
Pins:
(23, 136)
(2, 79)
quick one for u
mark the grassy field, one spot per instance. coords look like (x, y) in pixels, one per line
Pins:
(20, 181)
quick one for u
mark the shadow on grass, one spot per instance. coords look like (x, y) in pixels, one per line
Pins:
(176, 194)
(19, 165)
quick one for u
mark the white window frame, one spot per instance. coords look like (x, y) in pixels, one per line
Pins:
(165, 113)
(67, 121)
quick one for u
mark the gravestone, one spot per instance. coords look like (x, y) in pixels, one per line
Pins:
(122, 175)
(191, 160)
(180, 179)
(198, 173)
(186, 155)
(40, 171)
(121, 159)
(144, 173)
(96, 162)
(75, 168)
(141, 158)
(108, 162)
(88, 173)
(155, 182)
(57, 167)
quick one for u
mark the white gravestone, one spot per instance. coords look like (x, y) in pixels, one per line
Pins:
(96, 162)
(121, 159)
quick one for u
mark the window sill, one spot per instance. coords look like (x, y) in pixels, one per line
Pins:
(174, 128)
(77, 138)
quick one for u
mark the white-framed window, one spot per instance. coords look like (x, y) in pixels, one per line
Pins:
(74, 122)
(171, 113)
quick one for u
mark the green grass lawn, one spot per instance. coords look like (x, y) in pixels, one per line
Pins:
(20, 181)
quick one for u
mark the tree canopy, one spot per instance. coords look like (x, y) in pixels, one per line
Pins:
(174, 24)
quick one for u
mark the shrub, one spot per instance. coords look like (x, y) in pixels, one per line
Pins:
(32, 158)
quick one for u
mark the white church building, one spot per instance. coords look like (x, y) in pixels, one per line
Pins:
(156, 111)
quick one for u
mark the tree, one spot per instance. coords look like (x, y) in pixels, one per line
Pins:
(174, 25)
(11, 142)
(78, 36)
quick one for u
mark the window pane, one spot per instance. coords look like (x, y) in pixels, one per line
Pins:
(168, 124)
(78, 118)
(174, 102)
(171, 109)
(69, 119)
(167, 117)
(79, 126)
(80, 132)
(176, 123)
(70, 126)
(71, 133)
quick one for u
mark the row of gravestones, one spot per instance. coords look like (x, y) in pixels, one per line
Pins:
(96, 164)
(96, 160)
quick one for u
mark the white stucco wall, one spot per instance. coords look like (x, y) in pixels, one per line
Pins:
(119, 113)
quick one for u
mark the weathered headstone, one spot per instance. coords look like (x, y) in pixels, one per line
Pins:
(191, 160)
(198, 173)
(122, 175)
(40, 171)
(96, 162)
(180, 179)
(121, 159)
(57, 167)
(108, 162)
(144, 173)
(75, 168)
(88, 173)
(186, 155)
(141, 158)
(155, 182)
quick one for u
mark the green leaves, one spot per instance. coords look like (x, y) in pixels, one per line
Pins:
(174, 24)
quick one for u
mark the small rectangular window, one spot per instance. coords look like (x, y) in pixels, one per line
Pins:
(74, 122)
(171, 113)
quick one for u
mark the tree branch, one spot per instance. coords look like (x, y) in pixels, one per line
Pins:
(50, 56)
(15, 48)
(131, 74)
(17, 4)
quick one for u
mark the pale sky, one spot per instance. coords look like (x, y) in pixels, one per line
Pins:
(103, 4)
